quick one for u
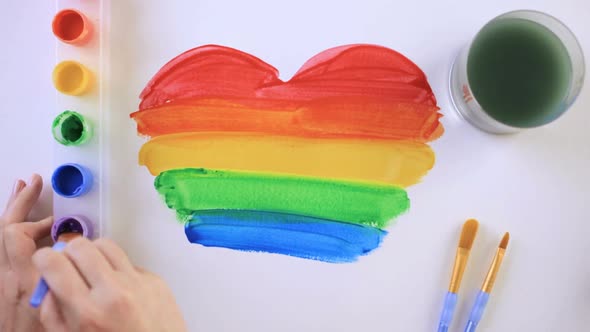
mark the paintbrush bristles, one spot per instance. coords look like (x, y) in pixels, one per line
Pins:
(468, 234)
(504, 242)
(488, 283)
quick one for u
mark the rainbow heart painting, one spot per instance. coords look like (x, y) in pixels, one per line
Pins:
(313, 167)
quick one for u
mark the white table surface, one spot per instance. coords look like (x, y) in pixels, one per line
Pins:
(535, 184)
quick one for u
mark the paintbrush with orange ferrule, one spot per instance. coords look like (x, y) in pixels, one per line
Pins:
(484, 294)
(465, 242)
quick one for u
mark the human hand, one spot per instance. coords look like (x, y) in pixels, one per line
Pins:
(18, 242)
(94, 287)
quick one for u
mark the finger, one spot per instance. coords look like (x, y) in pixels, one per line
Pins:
(3, 256)
(37, 230)
(24, 201)
(10, 281)
(51, 316)
(141, 270)
(91, 263)
(148, 274)
(8, 306)
(114, 255)
(61, 276)
(17, 247)
(19, 241)
(18, 186)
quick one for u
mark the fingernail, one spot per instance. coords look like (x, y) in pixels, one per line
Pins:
(18, 186)
(32, 179)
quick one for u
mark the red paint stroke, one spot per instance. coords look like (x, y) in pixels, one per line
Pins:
(354, 90)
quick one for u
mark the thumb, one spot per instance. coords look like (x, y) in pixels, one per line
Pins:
(37, 230)
(20, 241)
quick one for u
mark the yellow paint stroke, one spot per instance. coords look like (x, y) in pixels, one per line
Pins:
(400, 163)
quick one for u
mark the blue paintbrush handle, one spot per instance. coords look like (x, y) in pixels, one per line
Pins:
(477, 311)
(447, 313)
(42, 288)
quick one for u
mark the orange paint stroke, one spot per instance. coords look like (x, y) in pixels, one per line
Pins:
(386, 91)
(397, 163)
(342, 117)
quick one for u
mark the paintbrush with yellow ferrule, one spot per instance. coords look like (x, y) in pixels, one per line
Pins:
(484, 294)
(465, 242)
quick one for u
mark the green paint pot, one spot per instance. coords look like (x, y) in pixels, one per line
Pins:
(71, 129)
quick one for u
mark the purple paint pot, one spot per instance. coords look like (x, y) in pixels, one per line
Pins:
(72, 224)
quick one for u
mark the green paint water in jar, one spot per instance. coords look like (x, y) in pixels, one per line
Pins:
(523, 69)
(519, 72)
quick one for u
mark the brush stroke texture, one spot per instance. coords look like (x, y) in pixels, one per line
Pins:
(397, 163)
(189, 190)
(210, 70)
(287, 234)
(340, 117)
(354, 90)
(311, 167)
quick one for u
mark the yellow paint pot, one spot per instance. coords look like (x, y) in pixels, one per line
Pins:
(72, 78)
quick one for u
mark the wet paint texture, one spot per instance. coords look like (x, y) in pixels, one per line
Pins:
(293, 235)
(352, 91)
(189, 190)
(355, 117)
(398, 163)
(346, 71)
(70, 128)
(312, 167)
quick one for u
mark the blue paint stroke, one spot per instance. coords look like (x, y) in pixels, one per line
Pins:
(287, 234)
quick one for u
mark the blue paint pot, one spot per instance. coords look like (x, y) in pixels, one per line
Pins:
(71, 180)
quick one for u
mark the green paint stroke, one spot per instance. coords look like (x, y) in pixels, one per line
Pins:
(193, 189)
(71, 128)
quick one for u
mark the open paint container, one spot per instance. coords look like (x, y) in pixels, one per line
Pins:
(71, 128)
(72, 27)
(81, 116)
(72, 78)
(71, 180)
(72, 224)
